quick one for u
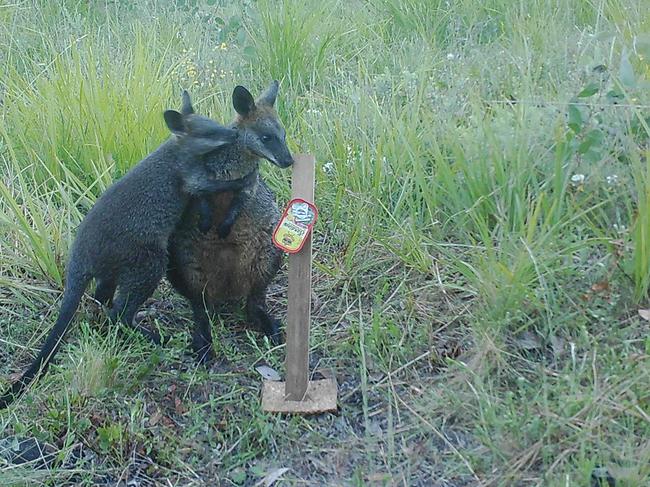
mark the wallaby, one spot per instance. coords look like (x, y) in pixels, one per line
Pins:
(122, 242)
(236, 257)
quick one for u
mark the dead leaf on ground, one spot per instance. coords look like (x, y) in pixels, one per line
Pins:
(268, 373)
(600, 287)
(179, 407)
(379, 477)
(272, 477)
(645, 314)
(558, 345)
(155, 418)
(528, 341)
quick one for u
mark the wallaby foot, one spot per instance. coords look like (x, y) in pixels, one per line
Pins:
(274, 333)
(122, 311)
(202, 334)
(205, 356)
(260, 318)
(224, 228)
(151, 334)
(204, 226)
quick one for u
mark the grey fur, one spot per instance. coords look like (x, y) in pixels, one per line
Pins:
(122, 242)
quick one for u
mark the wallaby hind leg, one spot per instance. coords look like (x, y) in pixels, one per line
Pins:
(135, 286)
(202, 333)
(104, 291)
(258, 315)
(126, 306)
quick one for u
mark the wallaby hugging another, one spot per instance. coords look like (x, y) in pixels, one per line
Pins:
(122, 242)
(232, 255)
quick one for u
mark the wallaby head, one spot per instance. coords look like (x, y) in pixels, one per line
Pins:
(195, 134)
(259, 125)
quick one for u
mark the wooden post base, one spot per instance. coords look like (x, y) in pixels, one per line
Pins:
(319, 398)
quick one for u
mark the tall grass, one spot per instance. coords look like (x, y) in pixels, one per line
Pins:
(641, 224)
(483, 185)
(285, 45)
(91, 114)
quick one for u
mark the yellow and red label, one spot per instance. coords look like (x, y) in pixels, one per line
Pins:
(294, 227)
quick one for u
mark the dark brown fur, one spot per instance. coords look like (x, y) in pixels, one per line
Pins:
(209, 270)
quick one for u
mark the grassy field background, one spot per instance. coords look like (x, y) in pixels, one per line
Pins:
(481, 258)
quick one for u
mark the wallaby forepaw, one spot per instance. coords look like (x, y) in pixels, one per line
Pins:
(204, 226)
(223, 230)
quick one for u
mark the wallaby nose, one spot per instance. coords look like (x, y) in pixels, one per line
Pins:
(287, 160)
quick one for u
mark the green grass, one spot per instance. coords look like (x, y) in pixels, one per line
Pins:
(481, 256)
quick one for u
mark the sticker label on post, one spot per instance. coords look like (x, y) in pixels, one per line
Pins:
(296, 224)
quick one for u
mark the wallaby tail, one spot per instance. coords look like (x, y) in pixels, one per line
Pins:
(76, 284)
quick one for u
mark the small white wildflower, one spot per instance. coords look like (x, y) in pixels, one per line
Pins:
(328, 167)
(578, 179)
(451, 56)
(612, 180)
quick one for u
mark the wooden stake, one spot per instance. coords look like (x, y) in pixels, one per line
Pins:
(299, 293)
(298, 394)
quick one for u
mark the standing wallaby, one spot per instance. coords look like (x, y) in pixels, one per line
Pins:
(122, 241)
(236, 257)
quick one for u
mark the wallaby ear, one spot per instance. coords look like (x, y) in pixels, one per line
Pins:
(271, 93)
(186, 108)
(217, 138)
(243, 101)
(175, 122)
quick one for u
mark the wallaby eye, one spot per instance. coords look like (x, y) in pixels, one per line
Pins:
(265, 138)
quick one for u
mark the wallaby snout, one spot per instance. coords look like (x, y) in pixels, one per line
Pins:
(287, 162)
